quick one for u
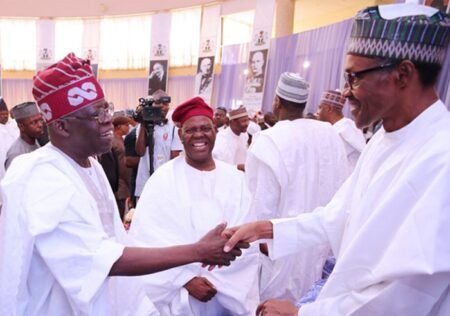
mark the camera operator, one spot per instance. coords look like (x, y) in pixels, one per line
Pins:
(167, 144)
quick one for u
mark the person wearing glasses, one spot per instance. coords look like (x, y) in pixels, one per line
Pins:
(388, 224)
(62, 243)
(179, 202)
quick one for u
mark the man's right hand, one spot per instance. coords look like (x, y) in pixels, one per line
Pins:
(210, 248)
(201, 289)
(248, 233)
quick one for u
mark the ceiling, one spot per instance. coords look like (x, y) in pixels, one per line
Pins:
(95, 8)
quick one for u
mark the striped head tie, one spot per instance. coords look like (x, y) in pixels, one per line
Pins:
(401, 31)
(66, 87)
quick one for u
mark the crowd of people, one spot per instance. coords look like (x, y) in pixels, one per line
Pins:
(208, 211)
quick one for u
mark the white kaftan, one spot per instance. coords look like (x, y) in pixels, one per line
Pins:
(230, 147)
(292, 168)
(179, 205)
(353, 139)
(59, 236)
(388, 227)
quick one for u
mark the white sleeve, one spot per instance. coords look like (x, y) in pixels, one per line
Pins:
(323, 226)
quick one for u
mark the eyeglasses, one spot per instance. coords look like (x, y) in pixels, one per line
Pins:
(352, 77)
(104, 115)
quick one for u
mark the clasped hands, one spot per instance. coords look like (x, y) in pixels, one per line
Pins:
(222, 245)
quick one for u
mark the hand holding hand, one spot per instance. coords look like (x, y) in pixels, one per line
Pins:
(210, 248)
(247, 233)
(277, 308)
(201, 289)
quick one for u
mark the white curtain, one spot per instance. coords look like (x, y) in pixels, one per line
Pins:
(125, 42)
(68, 38)
(237, 28)
(185, 37)
(16, 91)
(18, 44)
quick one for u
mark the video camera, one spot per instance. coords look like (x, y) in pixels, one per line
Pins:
(149, 114)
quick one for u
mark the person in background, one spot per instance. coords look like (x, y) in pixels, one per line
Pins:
(121, 128)
(232, 143)
(8, 134)
(167, 144)
(330, 110)
(220, 118)
(292, 168)
(31, 126)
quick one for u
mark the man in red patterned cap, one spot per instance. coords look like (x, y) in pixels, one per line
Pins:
(61, 238)
(179, 202)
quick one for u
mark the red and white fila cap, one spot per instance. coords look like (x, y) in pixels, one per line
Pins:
(66, 87)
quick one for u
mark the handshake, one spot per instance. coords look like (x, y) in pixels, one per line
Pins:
(222, 245)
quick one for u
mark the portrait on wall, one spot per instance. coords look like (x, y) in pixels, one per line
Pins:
(204, 76)
(256, 70)
(157, 78)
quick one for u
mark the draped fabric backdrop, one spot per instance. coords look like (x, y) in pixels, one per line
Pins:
(324, 48)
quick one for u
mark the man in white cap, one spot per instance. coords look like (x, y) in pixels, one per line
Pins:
(388, 224)
(231, 143)
(292, 168)
(330, 110)
(31, 125)
(62, 243)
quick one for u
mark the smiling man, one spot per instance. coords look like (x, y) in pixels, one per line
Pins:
(388, 224)
(179, 202)
(61, 238)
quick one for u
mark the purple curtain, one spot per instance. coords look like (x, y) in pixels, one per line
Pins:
(323, 48)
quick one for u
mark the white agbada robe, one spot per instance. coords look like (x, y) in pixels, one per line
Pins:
(388, 226)
(292, 168)
(179, 205)
(230, 147)
(353, 139)
(60, 233)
